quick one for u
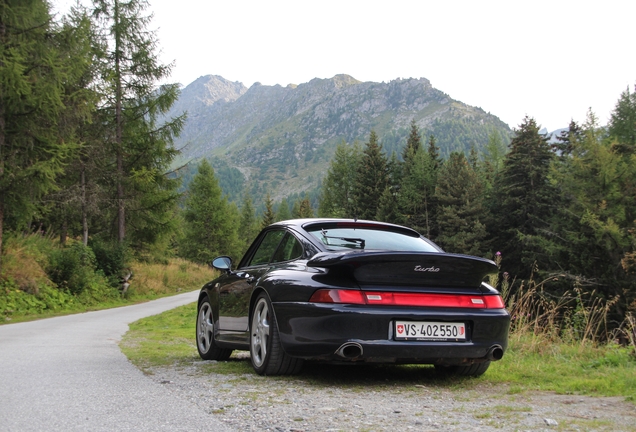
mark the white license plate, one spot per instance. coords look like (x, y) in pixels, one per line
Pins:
(430, 331)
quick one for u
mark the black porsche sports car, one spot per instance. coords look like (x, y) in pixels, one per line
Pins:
(352, 291)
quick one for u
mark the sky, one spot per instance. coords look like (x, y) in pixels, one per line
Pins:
(550, 60)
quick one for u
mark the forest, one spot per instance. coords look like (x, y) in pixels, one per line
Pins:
(86, 186)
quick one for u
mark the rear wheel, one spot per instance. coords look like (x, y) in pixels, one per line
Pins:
(208, 350)
(474, 369)
(266, 351)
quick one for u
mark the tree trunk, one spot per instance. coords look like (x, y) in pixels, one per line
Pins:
(63, 232)
(2, 145)
(121, 225)
(84, 219)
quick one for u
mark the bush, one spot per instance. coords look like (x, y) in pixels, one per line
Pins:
(14, 301)
(111, 258)
(72, 268)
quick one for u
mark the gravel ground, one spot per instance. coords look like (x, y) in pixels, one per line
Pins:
(381, 398)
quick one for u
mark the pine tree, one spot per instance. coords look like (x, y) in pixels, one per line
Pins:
(595, 226)
(416, 193)
(248, 225)
(433, 152)
(302, 209)
(461, 212)
(623, 123)
(210, 227)
(32, 68)
(388, 209)
(283, 212)
(371, 179)
(336, 198)
(566, 141)
(142, 148)
(268, 217)
(78, 193)
(524, 201)
(413, 143)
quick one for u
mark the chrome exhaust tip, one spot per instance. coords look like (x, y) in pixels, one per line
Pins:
(495, 353)
(350, 350)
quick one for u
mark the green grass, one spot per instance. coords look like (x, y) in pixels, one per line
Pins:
(565, 368)
(27, 292)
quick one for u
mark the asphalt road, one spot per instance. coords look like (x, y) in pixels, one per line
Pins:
(68, 374)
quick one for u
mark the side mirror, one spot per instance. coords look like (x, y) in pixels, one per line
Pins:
(223, 263)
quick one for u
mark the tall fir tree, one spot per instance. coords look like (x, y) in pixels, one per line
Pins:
(371, 179)
(461, 213)
(413, 143)
(269, 217)
(336, 198)
(210, 229)
(416, 201)
(133, 104)
(32, 70)
(595, 226)
(433, 152)
(77, 196)
(622, 126)
(302, 209)
(567, 139)
(283, 213)
(524, 201)
(248, 225)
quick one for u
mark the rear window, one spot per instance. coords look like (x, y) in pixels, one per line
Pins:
(339, 238)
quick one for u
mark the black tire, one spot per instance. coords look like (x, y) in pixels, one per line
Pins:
(473, 370)
(208, 350)
(266, 352)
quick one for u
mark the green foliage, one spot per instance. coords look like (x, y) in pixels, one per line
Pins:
(210, 221)
(16, 302)
(623, 123)
(32, 70)
(302, 209)
(461, 212)
(141, 147)
(413, 143)
(72, 268)
(371, 179)
(111, 258)
(524, 200)
(416, 199)
(336, 199)
(268, 216)
(248, 225)
(596, 226)
(283, 212)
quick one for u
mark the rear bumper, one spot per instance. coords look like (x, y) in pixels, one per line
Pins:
(317, 331)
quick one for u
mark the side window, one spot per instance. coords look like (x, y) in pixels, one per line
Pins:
(266, 248)
(288, 250)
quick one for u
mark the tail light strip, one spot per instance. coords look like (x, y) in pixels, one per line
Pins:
(407, 299)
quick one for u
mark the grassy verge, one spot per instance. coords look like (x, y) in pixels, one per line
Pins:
(28, 289)
(530, 364)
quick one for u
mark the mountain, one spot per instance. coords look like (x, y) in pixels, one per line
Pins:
(281, 139)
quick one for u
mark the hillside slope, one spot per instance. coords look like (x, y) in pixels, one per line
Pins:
(280, 139)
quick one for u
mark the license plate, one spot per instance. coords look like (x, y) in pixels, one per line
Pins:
(430, 331)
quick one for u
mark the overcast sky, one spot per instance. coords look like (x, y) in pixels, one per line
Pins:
(551, 60)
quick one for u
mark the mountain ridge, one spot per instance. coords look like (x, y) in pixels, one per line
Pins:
(281, 139)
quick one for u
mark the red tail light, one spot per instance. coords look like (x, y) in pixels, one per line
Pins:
(407, 299)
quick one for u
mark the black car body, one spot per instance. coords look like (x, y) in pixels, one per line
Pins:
(352, 291)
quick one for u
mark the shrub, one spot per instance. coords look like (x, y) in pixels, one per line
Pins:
(111, 258)
(72, 268)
